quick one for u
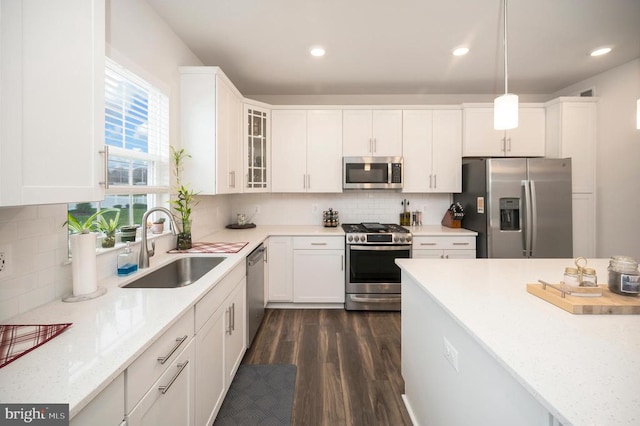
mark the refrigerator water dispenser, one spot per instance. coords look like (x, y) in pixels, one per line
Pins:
(509, 214)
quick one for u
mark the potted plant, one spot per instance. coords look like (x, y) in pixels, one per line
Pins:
(108, 227)
(157, 226)
(128, 233)
(184, 201)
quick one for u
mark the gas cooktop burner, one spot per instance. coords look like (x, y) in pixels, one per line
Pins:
(376, 233)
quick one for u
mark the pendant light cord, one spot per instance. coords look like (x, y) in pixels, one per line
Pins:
(506, 74)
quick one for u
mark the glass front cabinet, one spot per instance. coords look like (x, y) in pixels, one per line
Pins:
(256, 148)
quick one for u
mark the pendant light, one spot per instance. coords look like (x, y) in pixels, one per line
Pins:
(505, 107)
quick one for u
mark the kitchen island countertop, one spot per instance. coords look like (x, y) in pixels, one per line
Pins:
(581, 369)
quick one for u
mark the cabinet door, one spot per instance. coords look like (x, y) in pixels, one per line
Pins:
(480, 138)
(210, 380)
(288, 150)
(417, 133)
(318, 276)
(256, 147)
(357, 140)
(459, 254)
(171, 399)
(280, 269)
(528, 139)
(324, 151)
(387, 133)
(52, 103)
(235, 343)
(584, 225)
(228, 147)
(447, 151)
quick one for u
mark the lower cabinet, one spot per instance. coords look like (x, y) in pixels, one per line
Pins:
(106, 409)
(318, 270)
(220, 343)
(584, 225)
(444, 247)
(170, 401)
(279, 268)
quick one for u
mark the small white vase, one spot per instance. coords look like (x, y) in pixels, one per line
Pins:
(83, 263)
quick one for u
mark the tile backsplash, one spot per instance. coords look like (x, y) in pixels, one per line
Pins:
(34, 240)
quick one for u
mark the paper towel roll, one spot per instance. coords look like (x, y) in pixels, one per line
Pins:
(83, 263)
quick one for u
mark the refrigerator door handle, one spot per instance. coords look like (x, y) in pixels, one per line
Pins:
(534, 218)
(526, 230)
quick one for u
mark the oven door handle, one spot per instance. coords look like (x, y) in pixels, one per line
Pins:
(403, 247)
(373, 299)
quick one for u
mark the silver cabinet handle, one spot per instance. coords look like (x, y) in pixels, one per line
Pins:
(460, 244)
(435, 181)
(509, 144)
(430, 181)
(371, 145)
(428, 244)
(164, 389)
(342, 262)
(105, 153)
(318, 244)
(304, 181)
(504, 144)
(179, 341)
(373, 299)
(233, 317)
(229, 315)
(266, 250)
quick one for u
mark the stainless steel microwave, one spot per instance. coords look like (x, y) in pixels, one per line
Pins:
(372, 173)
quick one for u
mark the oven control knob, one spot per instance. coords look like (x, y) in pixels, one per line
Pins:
(409, 238)
(395, 239)
(362, 238)
(350, 238)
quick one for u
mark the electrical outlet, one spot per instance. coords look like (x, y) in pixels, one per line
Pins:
(450, 353)
(314, 208)
(5, 261)
(256, 210)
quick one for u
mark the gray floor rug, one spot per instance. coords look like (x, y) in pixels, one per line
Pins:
(259, 395)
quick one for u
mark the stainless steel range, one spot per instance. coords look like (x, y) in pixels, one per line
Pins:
(372, 277)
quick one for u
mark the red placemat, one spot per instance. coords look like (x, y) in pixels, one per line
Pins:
(17, 340)
(212, 248)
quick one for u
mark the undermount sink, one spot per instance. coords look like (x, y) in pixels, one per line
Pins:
(179, 273)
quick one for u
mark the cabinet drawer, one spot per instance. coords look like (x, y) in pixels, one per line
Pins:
(318, 243)
(442, 242)
(145, 370)
(214, 298)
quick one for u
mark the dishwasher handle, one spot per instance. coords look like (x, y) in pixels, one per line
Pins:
(256, 255)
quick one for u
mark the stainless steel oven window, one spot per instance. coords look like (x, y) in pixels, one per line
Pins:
(375, 264)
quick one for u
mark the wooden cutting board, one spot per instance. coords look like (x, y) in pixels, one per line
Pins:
(608, 303)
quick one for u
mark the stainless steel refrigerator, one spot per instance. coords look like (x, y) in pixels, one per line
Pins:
(520, 207)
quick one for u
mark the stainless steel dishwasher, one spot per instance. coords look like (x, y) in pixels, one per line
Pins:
(255, 291)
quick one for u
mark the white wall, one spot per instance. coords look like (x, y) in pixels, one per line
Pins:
(617, 159)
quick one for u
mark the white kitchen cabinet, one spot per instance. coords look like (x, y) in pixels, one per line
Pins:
(584, 225)
(444, 247)
(170, 401)
(211, 130)
(480, 139)
(372, 133)
(306, 151)
(220, 342)
(52, 104)
(106, 409)
(318, 270)
(280, 269)
(572, 133)
(256, 148)
(432, 149)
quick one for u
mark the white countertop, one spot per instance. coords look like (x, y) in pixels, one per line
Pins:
(439, 230)
(585, 369)
(110, 332)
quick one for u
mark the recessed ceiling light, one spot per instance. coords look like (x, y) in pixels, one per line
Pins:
(317, 51)
(601, 51)
(461, 51)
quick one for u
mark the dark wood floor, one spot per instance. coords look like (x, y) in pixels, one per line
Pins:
(348, 364)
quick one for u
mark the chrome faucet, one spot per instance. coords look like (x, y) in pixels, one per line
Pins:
(145, 254)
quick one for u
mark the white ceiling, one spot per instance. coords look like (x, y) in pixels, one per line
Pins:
(404, 46)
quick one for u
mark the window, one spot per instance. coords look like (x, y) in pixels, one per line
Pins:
(137, 137)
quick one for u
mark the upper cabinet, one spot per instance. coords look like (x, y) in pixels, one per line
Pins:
(256, 148)
(571, 133)
(432, 141)
(480, 139)
(306, 147)
(211, 130)
(372, 133)
(52, 103)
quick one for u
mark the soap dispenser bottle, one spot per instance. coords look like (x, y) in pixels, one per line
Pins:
(127, 261)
